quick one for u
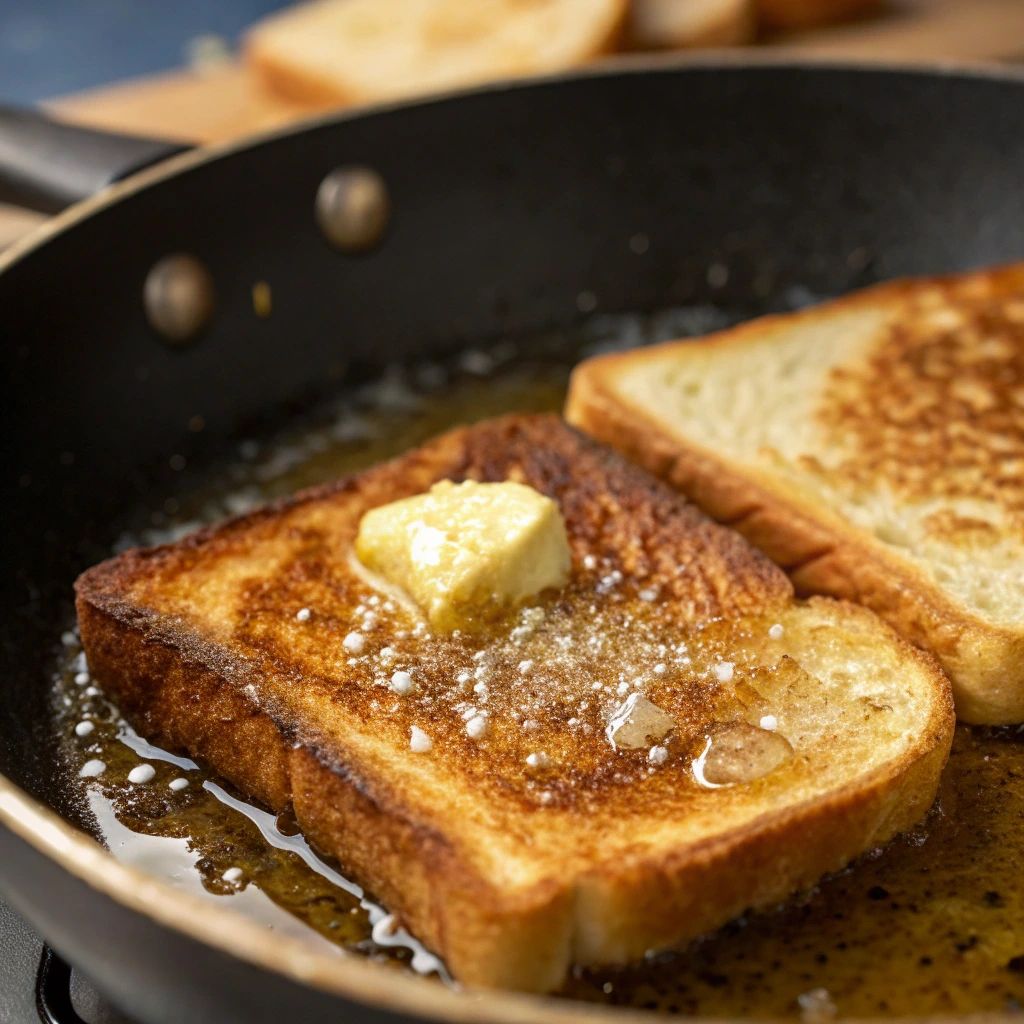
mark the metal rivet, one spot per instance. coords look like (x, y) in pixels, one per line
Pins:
(262, 299)
(179, 298)
(353, 208)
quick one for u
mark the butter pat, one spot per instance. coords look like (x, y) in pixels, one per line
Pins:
(465, 552)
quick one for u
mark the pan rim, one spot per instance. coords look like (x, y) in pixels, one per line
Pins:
(624, 65)
(345, 975)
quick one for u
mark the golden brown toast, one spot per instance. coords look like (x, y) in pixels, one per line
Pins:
(331, 52)
(802, 734)
(872, 446)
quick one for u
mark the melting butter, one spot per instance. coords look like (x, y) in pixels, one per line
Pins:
(467, 551)
(740, 753)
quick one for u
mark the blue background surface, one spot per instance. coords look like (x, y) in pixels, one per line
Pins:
(49, 47)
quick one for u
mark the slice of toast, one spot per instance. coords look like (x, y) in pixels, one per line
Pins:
(685, 24)
(872, 446)
(797, 735)
(329, 52)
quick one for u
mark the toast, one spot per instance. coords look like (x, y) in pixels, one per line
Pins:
(873, 446)
(329, 52)
(684, 24)
(568, 830)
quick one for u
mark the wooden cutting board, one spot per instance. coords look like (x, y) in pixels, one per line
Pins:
(224, 101)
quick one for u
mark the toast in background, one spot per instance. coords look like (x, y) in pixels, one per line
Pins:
(767, 741)
(682, 24)
(362, 51)
(872, 446)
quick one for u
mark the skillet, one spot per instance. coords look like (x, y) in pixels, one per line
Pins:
(512, 209)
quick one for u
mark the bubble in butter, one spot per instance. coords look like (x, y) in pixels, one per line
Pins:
(466, 552)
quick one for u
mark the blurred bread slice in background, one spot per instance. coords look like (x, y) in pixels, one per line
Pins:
(797, 14)
(330, 52)
(683, 24)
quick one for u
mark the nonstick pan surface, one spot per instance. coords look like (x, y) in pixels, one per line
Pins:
(513, 210)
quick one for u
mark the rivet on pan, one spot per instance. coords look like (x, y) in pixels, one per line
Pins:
(586, 302)
(718, 275)
(262, 299)
(179, 298)
(353, 208)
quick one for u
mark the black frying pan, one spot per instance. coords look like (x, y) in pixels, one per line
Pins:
(506, 205)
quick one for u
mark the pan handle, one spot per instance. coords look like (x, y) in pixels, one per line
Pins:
(46, 164)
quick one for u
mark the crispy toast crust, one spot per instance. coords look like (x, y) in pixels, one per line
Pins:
(189, 693)
(822, 552)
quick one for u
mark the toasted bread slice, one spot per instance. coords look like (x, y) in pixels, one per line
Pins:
(516, 850)
(685, 24)
(873, 447)
(360, 51)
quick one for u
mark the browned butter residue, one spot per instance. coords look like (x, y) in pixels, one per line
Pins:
(934, 923)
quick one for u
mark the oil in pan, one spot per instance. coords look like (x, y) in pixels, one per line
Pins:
(933, 923)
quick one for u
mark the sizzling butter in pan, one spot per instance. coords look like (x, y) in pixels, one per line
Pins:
(929, 924)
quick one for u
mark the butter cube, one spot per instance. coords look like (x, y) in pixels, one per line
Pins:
(466, 552)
